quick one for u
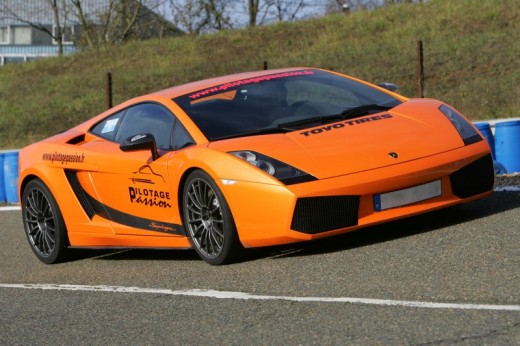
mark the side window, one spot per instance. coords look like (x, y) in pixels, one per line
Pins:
(108, 127)
(147, 118)
(181, 137)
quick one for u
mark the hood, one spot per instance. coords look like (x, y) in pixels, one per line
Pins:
(412, 130)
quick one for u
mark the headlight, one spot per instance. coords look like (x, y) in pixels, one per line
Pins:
(468, 134)
(281, 171)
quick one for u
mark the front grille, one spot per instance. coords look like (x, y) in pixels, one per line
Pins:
(320, 214)
(476, 178)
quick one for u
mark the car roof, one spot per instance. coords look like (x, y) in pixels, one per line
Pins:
(202, 84)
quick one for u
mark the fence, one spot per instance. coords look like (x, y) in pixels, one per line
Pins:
(29, 28)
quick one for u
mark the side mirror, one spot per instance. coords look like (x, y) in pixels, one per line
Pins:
(142, 141)
(388, 86)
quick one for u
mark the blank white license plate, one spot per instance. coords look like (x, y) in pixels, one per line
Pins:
(407, 196)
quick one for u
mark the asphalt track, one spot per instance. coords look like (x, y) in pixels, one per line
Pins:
(448, 277)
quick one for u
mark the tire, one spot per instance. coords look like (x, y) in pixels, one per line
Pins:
(208, 220)
(43, 223)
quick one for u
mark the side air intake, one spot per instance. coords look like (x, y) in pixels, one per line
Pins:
(80, 193)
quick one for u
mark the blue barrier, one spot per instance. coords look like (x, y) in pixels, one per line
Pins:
(2, 184)
(507, 145)
(10, 171)
(485, 130)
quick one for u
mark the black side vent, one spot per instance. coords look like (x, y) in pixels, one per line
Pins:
(80, 193)
(77, 139)
(321, 214)
(476, 178)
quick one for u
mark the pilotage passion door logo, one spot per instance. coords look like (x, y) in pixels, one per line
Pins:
(147, 196)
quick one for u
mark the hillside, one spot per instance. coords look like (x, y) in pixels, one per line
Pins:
(471, 50)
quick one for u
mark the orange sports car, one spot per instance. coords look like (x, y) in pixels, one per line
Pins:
(248, 160)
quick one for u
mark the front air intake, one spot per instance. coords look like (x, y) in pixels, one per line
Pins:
(476, 178)
(321, 214)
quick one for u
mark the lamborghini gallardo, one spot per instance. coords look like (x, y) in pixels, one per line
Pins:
(248, 160)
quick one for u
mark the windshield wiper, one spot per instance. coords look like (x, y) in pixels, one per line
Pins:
(262, 131)
(293, 125)
(346, 114)
(305, 121)
(362, 110)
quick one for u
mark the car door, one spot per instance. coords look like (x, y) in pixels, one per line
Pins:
(134, 188)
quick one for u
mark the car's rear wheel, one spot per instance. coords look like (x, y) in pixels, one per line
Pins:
(208, 220)
(43, 223)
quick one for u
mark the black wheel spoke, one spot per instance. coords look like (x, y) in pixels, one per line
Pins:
(193, 210)
(48, 241)
(217, 233)
(33, 214)
(199, 231)
(195, 202)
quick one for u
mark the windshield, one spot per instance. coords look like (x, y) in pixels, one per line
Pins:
(270, 103)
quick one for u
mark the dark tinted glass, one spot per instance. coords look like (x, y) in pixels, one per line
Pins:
(145, 118)
(265, 102)
(108, 127)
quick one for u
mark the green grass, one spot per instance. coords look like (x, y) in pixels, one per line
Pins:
(471, 60)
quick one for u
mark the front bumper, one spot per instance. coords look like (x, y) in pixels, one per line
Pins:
(275, 214)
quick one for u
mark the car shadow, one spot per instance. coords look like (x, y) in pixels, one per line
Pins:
(133, 254)
(494, 204)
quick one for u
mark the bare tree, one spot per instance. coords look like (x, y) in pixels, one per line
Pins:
(119, 21)
(198, 16)
(190, 15)
(216, 11)
(287, 10)
(265, 11)
(253, 7)
(347, 6)
(394, 2)
(112, 26)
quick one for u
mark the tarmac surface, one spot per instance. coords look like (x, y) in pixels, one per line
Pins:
(448, 277)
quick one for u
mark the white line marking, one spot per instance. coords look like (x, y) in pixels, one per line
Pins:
(247, 296)
(10, 208)
(506, 188)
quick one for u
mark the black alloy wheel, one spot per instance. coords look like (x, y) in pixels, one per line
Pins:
(208, 220)
(43, 223)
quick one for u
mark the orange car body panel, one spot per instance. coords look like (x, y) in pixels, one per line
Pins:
(262, 207)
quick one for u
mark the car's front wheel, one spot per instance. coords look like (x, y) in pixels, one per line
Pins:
(43, 223)
(208, 220)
